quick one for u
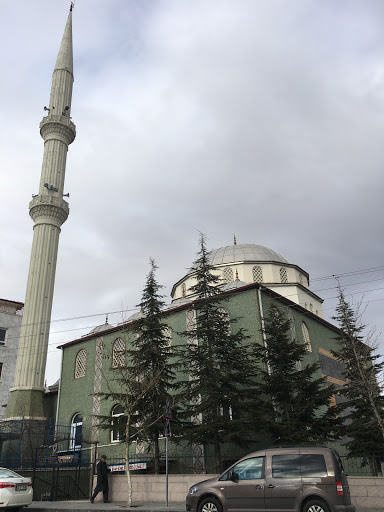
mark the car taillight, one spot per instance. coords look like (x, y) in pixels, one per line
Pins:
(339, 488)
(3, 485)
(30, 484)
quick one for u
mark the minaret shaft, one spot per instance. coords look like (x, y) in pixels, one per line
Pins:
(49, 211)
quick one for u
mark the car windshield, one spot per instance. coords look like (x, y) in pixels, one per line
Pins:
(7, 473)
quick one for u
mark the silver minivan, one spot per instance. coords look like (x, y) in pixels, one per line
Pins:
(297, 479)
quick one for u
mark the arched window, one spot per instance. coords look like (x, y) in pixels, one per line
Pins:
(283, 275)
(257, 274)
(76, 432)
(183, 290)
(311, 307)
(306, 338)
(80, 364)
(118, 353)
(117, 425)
(227, 275)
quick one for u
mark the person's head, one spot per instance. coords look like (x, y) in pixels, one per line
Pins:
(103, 458)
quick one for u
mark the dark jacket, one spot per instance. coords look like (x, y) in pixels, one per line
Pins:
(102, 476)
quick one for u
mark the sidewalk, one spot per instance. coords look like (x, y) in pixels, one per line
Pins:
(116, 506)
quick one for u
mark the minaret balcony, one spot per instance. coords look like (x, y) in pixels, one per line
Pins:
(58, 126)
(48, 209)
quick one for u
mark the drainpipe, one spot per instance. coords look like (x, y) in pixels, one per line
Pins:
(263, 324)
(59, 391)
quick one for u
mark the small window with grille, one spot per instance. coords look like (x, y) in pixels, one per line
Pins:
(257, 274)
(80, 364)
(228, 275)
(306, 338)
(183, 290)
(118, 353)
(117, 423)
(3, 335)
(283, 275)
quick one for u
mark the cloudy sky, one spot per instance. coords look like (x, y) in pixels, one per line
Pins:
(260, 118)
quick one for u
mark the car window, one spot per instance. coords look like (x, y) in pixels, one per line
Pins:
(286, 466)
(7, 473)
(313, 465)
(250, 469)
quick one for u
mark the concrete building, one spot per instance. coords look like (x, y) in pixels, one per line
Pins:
(48, 211)
(11, 314)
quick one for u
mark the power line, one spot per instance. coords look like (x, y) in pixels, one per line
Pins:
(352, 273)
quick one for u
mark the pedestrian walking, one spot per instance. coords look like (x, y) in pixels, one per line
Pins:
(102, 480)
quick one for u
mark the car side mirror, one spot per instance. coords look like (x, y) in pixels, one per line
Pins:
(234, 476)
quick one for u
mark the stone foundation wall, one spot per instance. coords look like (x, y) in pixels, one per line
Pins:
(366, 492)
(151, 487)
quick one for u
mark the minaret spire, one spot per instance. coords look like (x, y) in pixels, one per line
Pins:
(49, 211)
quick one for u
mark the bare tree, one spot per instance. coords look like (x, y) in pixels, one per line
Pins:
(362, 392)
(126, 386)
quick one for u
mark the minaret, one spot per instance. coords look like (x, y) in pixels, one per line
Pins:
(49, 211)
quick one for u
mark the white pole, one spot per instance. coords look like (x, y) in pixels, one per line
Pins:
(166, 469)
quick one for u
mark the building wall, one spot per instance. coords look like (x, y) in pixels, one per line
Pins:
(10, 319)
(77, 394)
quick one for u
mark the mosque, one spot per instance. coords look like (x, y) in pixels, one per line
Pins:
(252, 277)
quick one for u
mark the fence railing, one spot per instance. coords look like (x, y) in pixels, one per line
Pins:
(364, 466)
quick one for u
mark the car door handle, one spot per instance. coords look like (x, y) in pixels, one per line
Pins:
(259, 487)
(270, 486)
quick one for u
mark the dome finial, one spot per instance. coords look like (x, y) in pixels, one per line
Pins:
(234, 240)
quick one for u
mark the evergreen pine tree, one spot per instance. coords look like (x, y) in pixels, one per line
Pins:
(152, 356)
(293, 405)
(363, 402)
(215, 363)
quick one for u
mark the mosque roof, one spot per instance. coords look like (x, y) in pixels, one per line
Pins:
(233, 285)
(100, 328)
(135, 316)
(244, 252)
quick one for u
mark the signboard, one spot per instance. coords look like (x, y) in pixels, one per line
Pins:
(168, 410)
(64, 459)
(132, 466)
(167, 430)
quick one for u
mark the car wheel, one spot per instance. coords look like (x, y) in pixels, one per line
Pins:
(315, 506)
(210, 505)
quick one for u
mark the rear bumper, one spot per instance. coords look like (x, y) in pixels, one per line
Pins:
(344, 508)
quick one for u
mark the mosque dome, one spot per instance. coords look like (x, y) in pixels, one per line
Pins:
(240, 265)
(100, 328)
(233, 285)
(244, 252)
(136, 316)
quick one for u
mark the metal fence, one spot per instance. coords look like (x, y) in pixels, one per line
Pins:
(60, 483)
(364, 466)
